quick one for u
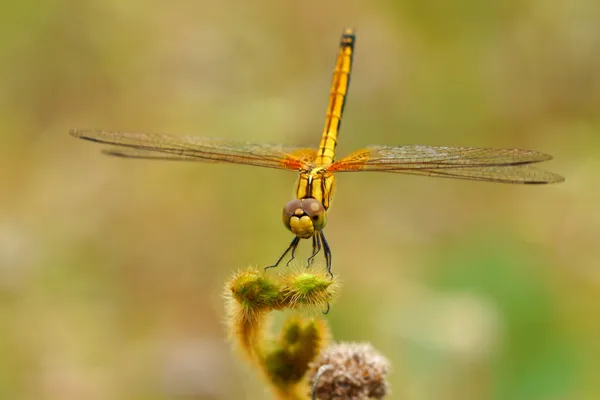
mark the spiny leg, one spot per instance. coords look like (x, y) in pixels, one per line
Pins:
(291, 247)
(316, 250)
(321, 238)
(293, 252)
(327, 250)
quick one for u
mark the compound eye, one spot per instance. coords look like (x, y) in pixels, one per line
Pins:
(312, 207)
(292, 208)
(315, 210)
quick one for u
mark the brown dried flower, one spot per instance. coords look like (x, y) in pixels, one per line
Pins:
(354, 371)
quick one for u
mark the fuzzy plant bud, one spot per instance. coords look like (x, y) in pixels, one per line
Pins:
(351, 371)
(283, 359)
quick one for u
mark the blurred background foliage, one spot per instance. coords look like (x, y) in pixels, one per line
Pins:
(111, 270)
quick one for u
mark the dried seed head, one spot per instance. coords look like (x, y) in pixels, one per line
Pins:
(354, 371)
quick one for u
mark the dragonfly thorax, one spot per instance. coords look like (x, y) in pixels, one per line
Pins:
(304, 217)
(317, 183)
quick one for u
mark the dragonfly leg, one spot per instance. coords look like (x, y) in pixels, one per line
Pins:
(291, 247)
(316, 250)
(294, 247)
(327, 250)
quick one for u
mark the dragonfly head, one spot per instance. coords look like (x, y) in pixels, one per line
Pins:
(304, 217)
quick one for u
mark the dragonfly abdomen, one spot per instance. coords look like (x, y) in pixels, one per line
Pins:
(337, 99)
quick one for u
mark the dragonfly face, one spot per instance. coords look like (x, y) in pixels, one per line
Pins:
(306, 215)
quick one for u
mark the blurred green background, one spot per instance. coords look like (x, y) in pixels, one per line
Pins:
(111, 270)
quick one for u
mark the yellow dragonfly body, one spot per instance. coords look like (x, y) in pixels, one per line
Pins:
(306, 215)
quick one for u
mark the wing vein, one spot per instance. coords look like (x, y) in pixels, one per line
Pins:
(187, 148)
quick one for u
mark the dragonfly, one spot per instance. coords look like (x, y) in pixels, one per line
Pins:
(306, 214)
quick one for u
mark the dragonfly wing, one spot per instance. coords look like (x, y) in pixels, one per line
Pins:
(493, 165)
(524, 173)
(191, 148)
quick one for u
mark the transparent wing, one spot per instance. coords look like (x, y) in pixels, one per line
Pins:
(493, 165)
(190, 148)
